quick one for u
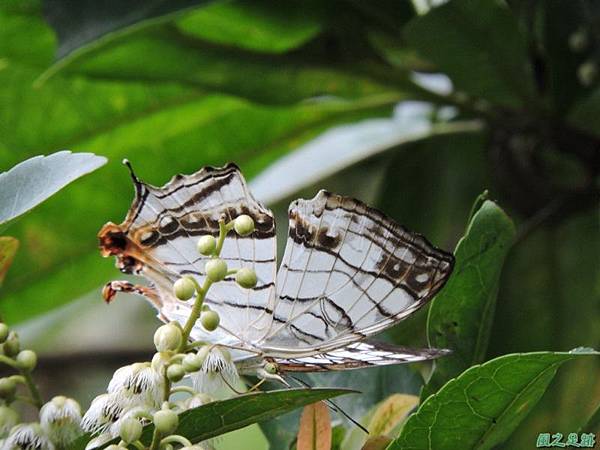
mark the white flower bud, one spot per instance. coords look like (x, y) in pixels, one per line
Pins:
(138, 384)
(165, 421)
(184, 288)
(216, 269)
(61, 420)
(217, 366)
(130, 430)
(246, 277)
(168, 337)
(207, 245)
(243, 225)
(28, 436)
(8, 419)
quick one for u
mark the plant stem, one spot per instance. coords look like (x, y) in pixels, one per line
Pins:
(195, 313)
(35, 393)
(36, 398)
(155, 440)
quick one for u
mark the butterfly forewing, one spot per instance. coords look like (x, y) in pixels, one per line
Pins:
(158, 240)
(348, 272)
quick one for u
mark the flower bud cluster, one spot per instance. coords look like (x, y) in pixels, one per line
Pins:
(59, 419)
(140, 393)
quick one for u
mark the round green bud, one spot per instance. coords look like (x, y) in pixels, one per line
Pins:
(12, 346)
(587, 73)
(4, 330)
(271, 368)
(579, 41)
(175, 372)
(8, 388)
(8, 418)
(26, 360)
(210, 320)
(165, 421)
(130, 430)
(216, 269)
(207, 245)
(205, 307)
(192, 362)
(246, 277)
(168, 337)
(184, 288)
(243, 225)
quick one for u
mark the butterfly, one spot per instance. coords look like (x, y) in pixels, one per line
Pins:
(347, 273)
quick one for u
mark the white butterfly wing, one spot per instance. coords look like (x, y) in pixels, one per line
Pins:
(158, 240)
(348, 272)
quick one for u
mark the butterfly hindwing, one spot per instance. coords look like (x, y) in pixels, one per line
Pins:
(356, 356)
(348, 272)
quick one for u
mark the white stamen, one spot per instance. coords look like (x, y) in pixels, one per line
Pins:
(27, 436)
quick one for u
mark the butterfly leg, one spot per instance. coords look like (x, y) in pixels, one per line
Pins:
(112, 288)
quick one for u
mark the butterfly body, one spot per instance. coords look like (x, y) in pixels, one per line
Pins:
(348, 272)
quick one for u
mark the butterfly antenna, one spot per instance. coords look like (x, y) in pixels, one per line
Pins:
(332, 405)
(136, 180)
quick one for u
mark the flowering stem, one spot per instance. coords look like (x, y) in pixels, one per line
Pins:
(195, 313)
(155, 440)
(33, 390)
(36, 398)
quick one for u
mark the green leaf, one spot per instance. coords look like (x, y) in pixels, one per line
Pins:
(479, 45)
(341, 147)
(262, 26)
(8, 249)
(34, 180)
(220, 417)
(481, 408)
(80, 23)
(262, 78)
(460, 317)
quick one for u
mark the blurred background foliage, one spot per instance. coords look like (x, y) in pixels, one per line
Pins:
(412, 108)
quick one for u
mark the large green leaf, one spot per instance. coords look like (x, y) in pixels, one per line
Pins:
(479, 45)
(481, 408)
(34, 180)
(264, 78)
(220, 417)
(460, 317)
(255, 25)
(80, 23)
